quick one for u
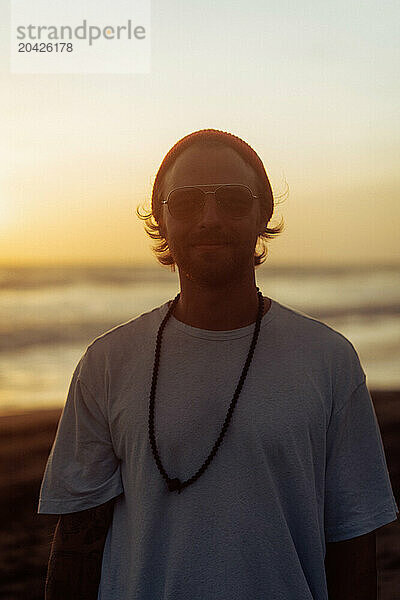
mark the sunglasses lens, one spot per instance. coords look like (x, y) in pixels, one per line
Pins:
(234, 200)
(185, 203)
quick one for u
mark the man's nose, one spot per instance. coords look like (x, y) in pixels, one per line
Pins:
(210, 213)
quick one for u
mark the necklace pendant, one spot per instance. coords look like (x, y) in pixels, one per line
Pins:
(174, 484)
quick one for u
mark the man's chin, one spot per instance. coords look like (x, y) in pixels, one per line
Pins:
(211, 274)
(211, 268)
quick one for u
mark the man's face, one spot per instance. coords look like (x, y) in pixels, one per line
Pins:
(229, 254)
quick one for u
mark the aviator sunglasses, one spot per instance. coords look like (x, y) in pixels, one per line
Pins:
(187, 202)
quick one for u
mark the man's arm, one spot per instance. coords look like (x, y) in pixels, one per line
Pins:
(350, 568)
(76, 554)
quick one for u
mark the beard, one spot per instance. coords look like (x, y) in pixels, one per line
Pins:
(213, 268)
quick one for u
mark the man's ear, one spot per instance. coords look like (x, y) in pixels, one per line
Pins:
(161, 226)
(261, 221)
(262, 225)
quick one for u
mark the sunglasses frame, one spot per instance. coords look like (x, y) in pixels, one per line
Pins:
(201, 186)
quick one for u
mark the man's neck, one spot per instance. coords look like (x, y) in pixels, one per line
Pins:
(218, 309)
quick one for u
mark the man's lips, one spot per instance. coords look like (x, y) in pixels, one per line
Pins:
(210, 245)
(210, 242)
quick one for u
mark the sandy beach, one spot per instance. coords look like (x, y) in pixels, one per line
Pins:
(25, 442)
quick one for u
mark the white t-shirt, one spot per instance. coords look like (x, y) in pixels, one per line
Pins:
(301, 464)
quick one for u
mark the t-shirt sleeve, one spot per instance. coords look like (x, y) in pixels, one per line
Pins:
(358, 492)
(82, 470)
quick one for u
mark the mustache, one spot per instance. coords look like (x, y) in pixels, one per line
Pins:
(215, 238)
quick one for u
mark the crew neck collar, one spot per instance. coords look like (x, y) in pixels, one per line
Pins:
(211, 334)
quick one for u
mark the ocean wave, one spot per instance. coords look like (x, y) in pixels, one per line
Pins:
(27, 277)
(52, 334)
(24, 278)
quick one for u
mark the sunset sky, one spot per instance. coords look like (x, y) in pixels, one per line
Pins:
(313, 87)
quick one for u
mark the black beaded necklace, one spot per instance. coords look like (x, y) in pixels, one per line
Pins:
(176, 484)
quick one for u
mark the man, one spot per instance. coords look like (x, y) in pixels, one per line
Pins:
(222, 445)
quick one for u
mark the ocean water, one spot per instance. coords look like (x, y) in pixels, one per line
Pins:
(48, 316)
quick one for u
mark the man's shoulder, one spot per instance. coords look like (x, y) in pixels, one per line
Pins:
(111, 349)
(319, 343)
(310, 329)
(135, 330)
